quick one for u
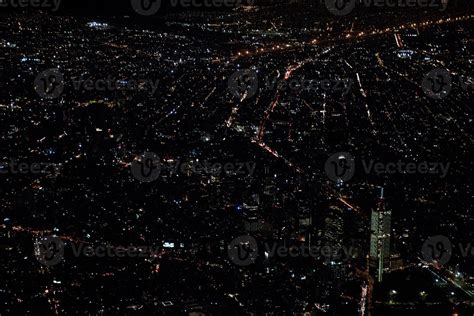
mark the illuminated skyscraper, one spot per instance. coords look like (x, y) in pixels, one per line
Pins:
(380, 225)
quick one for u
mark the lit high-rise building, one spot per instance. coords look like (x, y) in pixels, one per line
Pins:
(380, 225)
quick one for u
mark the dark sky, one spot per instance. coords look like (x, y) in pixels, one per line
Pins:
(123, 7)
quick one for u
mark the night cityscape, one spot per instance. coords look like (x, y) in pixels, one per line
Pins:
(236, 157)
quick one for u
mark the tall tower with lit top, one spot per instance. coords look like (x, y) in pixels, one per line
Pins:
(380, 226)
